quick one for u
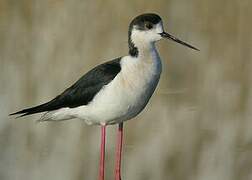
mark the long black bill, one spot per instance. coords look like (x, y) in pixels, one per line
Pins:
(169, 36)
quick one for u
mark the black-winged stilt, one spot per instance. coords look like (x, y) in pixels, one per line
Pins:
(115, 91)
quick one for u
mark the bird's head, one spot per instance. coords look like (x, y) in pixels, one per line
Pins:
(147, 29)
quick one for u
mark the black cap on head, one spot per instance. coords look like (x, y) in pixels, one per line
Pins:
(141, 20)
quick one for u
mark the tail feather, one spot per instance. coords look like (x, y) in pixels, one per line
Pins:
(49, 106)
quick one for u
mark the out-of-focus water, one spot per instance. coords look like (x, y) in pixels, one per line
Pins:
(197, 125)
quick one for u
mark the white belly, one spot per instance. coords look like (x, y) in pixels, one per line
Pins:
(125, 96)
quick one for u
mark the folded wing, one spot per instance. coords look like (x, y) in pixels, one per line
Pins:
(82, 92)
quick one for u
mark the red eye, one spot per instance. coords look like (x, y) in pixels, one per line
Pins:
(148, 25)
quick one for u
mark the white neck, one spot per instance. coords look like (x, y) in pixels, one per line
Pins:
(146, 49)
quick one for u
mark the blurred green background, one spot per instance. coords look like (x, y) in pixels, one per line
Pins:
(198, 124)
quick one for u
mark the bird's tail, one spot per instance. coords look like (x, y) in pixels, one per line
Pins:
(36, 109)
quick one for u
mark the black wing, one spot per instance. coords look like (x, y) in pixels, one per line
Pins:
(81, 92)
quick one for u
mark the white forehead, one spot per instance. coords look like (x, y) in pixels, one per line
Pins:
(159, 27)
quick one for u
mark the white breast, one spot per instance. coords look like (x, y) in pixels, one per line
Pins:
(127, 94)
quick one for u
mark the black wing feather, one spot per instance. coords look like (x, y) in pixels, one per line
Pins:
(81, 92)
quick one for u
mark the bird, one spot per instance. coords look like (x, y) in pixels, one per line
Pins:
(115, 91)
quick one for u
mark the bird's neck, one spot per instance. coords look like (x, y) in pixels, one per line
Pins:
(142, 49)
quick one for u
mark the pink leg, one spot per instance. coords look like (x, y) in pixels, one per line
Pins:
(119, 152)
(102, 157)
